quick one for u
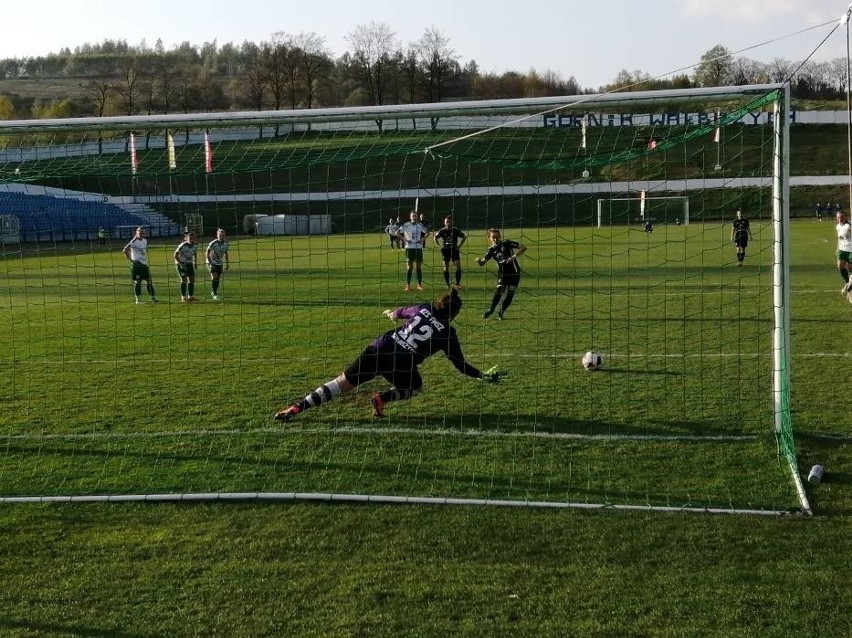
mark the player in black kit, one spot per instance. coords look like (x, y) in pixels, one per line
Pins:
(396, 355)
(740, 234)
(452, 240)
(505, 253)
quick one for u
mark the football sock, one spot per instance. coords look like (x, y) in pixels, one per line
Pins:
(182, 289)
(496, 298)
(458, 277)
(150, 288)
(137, 288)
(507, 301)
(190, 288)
(215, 286)
(447, 277)
(322, 394)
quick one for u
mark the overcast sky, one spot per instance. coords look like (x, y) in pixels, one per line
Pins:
(591, 40)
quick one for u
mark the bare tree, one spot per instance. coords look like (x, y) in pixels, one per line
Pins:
(252, 80)
(714, 68)
(255, 83)
(838, 74)
(780, 70)
(373, 45)
(275, 62)
(148, 86)
(314, 63)
(128, 85)
(629, 81)
(813, 80)
(436, 60)
(746, 71)
(411, 72)
(166, 80)
(101, 90)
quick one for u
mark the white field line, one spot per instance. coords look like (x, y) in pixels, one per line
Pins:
(836, 438)
(425, 433)
(375, 499)
(472, 352)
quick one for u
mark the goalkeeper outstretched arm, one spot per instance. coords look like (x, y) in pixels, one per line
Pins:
(455, 355)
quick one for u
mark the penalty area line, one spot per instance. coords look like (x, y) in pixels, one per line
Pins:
(372, 430)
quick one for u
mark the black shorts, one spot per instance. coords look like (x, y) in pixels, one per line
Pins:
(513, 279)
(741, 241)
(414, 254)
(398, 368)
(450, 254)
(185, 270)
(140, 272)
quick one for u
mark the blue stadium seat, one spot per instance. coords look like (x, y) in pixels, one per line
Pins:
(47, 218)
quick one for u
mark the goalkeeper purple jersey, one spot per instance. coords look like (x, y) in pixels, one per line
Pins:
(425, 333)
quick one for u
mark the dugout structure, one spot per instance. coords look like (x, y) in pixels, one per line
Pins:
(697, 349)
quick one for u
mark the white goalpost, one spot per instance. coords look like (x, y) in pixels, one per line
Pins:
(688, 374)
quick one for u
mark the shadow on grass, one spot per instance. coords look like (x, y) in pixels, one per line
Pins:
(501, 423)
(635, 371)
(66, 629)
(322, 463)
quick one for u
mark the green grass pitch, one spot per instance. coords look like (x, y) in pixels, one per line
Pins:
(177, 397)
(104, 397)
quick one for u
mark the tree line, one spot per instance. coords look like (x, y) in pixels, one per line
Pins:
(290, 71)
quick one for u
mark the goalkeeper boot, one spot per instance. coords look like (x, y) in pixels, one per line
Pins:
(500, 315)
(378, 406)
(487, 313)
(288, 413)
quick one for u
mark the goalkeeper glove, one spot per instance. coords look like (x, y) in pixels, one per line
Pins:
(493, 375)
(389, 314)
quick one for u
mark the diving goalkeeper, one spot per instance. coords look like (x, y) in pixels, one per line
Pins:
(396, 355)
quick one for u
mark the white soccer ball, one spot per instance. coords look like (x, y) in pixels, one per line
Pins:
(592, 360)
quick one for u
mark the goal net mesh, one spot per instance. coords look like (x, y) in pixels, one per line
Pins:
(106, 397)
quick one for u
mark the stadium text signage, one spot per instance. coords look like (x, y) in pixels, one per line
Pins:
(652, 119)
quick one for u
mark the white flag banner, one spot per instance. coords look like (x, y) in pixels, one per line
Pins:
(208, 153)
(134, 159)
(170, 145)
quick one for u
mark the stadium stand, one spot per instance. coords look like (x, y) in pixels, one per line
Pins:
(77, 216)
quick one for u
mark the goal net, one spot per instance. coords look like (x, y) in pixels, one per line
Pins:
(107, 398)
(642, 210)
